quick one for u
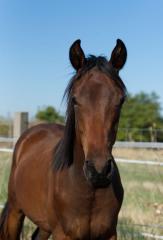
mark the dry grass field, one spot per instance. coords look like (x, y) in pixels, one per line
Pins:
(142, 210)
(140, 154)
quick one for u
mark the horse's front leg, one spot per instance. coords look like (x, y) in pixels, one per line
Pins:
(58, 234)
(40, 234)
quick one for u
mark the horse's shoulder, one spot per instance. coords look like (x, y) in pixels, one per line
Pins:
(46, 135)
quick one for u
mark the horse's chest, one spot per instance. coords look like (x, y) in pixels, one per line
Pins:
(89, 219)
(92, 224)
(103, 219)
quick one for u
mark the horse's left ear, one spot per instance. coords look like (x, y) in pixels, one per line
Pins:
(119, 55)
(76, 55)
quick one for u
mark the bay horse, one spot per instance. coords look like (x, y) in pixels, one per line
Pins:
(64, 178)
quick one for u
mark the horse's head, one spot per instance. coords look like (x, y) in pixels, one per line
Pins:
(97, 96)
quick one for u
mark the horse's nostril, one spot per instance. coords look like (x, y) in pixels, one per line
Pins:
(107, 168)
(90, 168)
(89, 163)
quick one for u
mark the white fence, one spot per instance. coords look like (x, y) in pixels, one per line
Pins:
(10, 141)
(151, 145)
(118, 144)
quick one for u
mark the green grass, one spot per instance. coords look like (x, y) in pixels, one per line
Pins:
(127, 231)
(143, 201)
(5, 162)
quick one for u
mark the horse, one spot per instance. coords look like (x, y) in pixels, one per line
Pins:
(64, 177)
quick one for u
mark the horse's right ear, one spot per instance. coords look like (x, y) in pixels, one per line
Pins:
(119, 55)
(76, 55)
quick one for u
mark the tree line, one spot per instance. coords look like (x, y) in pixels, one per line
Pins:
(141, 118)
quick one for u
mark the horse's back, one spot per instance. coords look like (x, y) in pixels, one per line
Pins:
(32, 158)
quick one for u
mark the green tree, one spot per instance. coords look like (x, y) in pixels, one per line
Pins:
(50, 115)
(140, 111)
(6, 127)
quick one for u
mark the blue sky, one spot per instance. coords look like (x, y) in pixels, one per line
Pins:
(35, 37)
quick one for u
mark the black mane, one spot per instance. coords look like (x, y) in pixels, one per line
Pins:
(63, 155)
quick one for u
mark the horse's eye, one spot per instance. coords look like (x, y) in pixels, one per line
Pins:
(122, 100)
(74, 100)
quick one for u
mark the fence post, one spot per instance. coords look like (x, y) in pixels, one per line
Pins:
(20, 123)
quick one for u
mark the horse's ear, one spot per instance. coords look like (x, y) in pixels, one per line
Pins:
(119, 55)
(76, 55)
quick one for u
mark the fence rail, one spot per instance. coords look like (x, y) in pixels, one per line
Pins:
(118, 144)
(9, 150)
(7, 139)
(152, 145)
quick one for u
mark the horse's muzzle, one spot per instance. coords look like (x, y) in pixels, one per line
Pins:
(99, 180)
